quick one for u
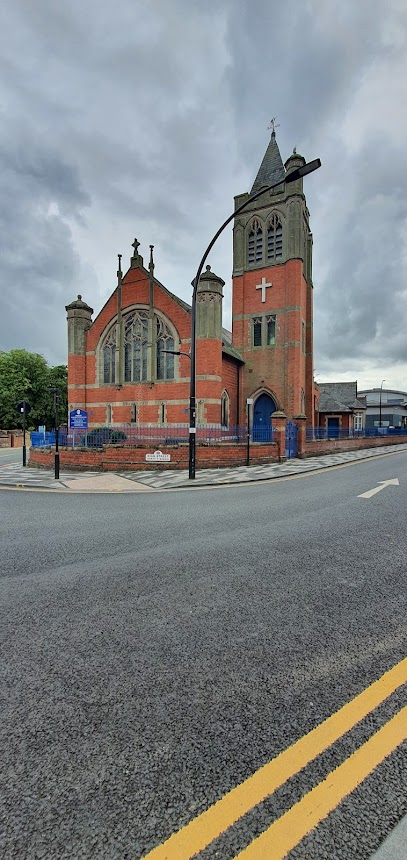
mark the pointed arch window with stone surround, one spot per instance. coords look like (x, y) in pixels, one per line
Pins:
(224, 409)
(264, 330)
(109, 357)
(274, 239)
(165, 341)
(255, 244)
(135, 346)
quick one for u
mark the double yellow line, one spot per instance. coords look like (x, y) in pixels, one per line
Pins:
(288, 830)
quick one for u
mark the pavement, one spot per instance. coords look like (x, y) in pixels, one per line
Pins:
(395, 846)
(14, 475)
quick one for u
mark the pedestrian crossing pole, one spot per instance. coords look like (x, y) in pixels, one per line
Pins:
(55, 392)
(24, 445)
(24, 408)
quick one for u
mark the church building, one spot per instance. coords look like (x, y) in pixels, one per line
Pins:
(122, 366)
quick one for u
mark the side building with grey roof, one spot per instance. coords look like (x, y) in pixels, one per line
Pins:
(340, 407)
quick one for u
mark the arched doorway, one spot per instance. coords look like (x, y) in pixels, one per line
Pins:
(262, 412)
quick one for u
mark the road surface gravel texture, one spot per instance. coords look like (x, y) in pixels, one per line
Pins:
(157, 649)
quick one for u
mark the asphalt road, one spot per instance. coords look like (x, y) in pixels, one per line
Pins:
(158, 649)
(11, 455)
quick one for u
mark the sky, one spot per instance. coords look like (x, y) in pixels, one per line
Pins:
(144, 118)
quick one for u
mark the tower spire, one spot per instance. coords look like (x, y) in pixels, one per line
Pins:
(271, 170)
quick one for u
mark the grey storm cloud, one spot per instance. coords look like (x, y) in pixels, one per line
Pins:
(138, 118)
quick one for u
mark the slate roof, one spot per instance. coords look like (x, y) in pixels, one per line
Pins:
(228, 348)
(271, 170)
(339, 397)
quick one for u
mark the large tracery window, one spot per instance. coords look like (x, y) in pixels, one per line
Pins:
(138, 350)
(274, 239)
(255, 244)
(135, 346)
(165, 341)
(109, 357)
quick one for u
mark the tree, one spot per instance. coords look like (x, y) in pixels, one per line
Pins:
(26, 376)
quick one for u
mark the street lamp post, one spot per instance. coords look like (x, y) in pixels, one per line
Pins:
(380, 404)
(55, 392)
(291, 177)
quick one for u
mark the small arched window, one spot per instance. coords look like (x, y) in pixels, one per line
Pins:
(109, 356)
(135, 346)
(165, 342)
(255, 244)
(274, 239)
(225, 402)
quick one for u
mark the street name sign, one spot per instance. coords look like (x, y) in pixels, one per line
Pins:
(158, 457)
(78, 419)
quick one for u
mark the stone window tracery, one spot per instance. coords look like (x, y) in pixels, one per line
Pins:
(165, 341)
(135, 346)
(264, 330)
(109, 357)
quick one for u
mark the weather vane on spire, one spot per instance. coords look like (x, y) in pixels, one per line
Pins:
(273, 125)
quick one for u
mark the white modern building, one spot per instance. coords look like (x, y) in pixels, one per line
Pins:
(385, 407)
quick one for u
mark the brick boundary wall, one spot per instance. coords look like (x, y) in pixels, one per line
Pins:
(116, 458)
(13, 439)
(335, 446)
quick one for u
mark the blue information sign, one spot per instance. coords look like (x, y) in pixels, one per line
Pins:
(78, 419)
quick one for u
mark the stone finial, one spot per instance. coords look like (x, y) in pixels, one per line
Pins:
(151, 263)
(78, 304)
(209, 282)
(136, 260)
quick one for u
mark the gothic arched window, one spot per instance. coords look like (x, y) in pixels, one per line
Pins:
(135, 346)
(274, 239)
(109, 356)
(224, 409)
(255, 244)
(165, 341)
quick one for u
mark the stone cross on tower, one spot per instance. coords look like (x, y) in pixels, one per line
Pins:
(263, 287)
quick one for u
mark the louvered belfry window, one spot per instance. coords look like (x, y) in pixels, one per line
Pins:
(135, 346)
(255, 244)
(274, 239)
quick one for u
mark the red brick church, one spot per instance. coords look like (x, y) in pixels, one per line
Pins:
(121, 366)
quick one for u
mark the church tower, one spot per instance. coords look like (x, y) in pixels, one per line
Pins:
(272, 292)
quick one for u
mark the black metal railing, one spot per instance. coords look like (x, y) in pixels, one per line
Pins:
(316, 433)
(158, 435)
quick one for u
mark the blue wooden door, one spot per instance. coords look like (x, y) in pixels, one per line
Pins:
(291, 440)
(333, 428)
(262, 412)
